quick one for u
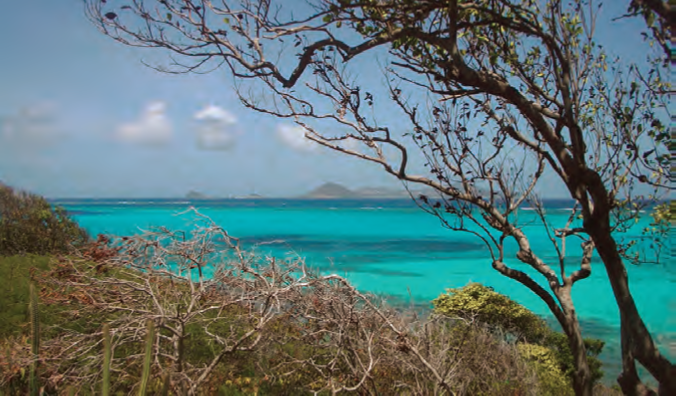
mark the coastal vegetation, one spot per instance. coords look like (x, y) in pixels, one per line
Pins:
(29, 224)
(486, 103)
(535, 340)
(170, 312)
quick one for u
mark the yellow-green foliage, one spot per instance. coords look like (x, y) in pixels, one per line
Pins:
(552, 379)
(558, 343)
(482, 303)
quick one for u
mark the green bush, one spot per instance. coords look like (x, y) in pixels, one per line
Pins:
(29, 224)
(558, 342)
(548, 368)
(482, 303)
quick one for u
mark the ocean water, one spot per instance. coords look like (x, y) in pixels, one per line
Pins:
(393, 248)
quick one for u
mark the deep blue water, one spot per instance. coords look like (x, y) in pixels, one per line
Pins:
(391, 247)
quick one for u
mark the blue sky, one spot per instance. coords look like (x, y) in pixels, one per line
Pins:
(81, 116)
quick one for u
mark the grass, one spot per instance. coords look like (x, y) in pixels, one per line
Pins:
(15, 276)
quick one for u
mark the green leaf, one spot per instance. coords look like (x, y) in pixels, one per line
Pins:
(650, 19)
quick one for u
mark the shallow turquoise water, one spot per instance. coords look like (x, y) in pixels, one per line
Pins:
(392, 248)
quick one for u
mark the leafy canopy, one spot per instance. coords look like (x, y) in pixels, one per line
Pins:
(30, 224)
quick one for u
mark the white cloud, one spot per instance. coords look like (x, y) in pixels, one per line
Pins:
(152, 128)
(294, 137)
(215, 128)
(212, 112)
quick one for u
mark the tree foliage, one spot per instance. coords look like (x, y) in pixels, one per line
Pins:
(30, 224)
(659, 17)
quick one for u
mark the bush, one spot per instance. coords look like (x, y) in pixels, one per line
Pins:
(558, 342)
(548, 368)
(482, 303)
(29, 224)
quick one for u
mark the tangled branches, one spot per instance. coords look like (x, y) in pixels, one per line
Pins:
(218, 308)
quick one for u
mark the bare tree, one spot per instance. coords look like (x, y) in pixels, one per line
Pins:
(496, 96)
(200, 284)
(162, 276)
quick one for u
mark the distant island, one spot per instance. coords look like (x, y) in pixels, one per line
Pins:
(329, 190)
(196, 195)
(338, 191)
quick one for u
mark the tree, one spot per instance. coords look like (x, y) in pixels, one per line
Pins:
(496, 96)
(30, 224)
(659, 17)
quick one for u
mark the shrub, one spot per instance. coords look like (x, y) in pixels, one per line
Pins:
(483, 304)
(29, 224)
(552, 379)
(558, 343)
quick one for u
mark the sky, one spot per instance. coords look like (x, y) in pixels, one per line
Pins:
(82, 116)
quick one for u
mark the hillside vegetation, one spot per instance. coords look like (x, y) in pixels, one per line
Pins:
(169, 313)
(29, 224)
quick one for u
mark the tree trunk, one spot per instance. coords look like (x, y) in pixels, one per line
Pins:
(629, 380)
(565, 314)
(637, 343)
(582, 380)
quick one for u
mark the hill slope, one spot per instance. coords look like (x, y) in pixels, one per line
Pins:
(331, 190)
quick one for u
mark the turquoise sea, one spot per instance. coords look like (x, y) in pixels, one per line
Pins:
(391, 247)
